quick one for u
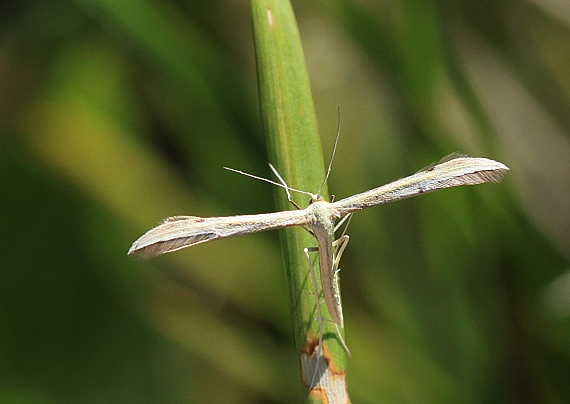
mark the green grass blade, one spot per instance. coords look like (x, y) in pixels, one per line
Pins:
(294, 148)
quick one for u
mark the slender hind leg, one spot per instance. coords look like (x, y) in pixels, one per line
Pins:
(339, 245)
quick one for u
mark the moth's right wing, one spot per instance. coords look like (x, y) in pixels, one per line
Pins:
(178, 232)
(453, 170)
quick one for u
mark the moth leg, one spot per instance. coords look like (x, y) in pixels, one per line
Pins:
(318, 308)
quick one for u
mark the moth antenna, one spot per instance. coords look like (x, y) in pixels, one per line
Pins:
(286, 187)
(332, 155)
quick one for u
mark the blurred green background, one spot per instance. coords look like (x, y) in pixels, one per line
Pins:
(117, 114)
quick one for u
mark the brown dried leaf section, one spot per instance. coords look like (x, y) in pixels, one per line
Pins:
(323, 379)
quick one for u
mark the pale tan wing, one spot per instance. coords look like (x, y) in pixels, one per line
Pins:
(451, 171)
(183, 231)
